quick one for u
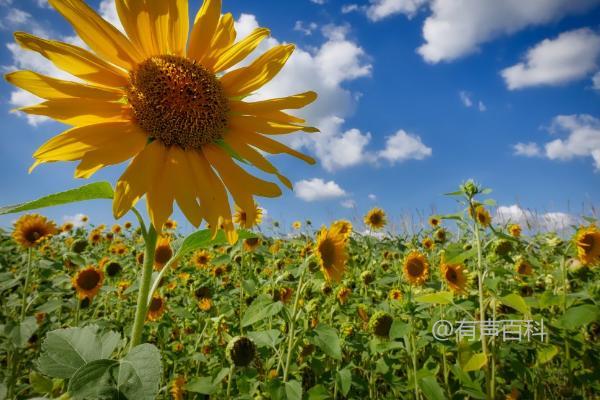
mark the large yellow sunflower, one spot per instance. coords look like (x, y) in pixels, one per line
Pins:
(166, 96)
(87, 282)
(31, 230)
(587, 241)
(331, 252)
(375, 219)
(416, 268)
(456, 276)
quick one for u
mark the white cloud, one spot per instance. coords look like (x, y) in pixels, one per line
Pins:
(527, 149)
(456, 28)
(380, 9)
(482, 107)
(465, 97)
(403, 146)
(317, 189)
(306, 29)
(348, 8)
(582, 140)
(372, 197)
(596, 80)
(571, 56)
(108, 11)
(550, 221)
(319, 2)
(349, 203)
(43, 3)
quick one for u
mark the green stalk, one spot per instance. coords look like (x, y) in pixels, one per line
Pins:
(480, 274)
(292, 324)
(142, 300)
(229, 379)
(563, 268)
(26, 287)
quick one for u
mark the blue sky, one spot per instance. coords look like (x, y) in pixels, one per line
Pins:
(416, 96)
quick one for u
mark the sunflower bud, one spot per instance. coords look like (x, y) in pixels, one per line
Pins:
(113, 269)
(380, 324)
(79, 246)
(240, 351)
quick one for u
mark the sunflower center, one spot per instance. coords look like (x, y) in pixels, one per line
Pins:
(33, 235)
(415, 268)
(327, 252)
(451, 275)
(376, 219)
(163, 254)
(155, 304)
(588, 243)
(88, 279)
(178, 101)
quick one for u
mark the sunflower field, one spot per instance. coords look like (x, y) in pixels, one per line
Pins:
(323, 313)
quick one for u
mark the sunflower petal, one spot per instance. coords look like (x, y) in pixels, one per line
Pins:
(74, 60)
(184, 192)
(257, 124)
(223, 39)
(114, 153)
(266, 106)
(245, 80)
(204, 29)
(80, 112)
(51, 88)
(101, 36)
(240, 50)
(160, 196)
(272, 146)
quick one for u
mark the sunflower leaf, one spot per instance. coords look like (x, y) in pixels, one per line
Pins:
(93, 191)
(204, 238)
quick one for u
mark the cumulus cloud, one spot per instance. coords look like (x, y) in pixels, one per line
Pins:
(380, 9)
(307, 28)
(527, 149)
(582, 139)
(348, 8)
(596, 80)
(550, 221)
(572, 55)
(403, 146)
(457, 28)
(317, 189)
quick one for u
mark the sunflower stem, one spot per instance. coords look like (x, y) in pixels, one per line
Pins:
(26, 287)
(142, 301)
(292, 324)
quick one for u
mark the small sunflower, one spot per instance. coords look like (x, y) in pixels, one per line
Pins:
(156, 308)
(416, 268)
(32, 229)
(170, 224)
(112, 268)
(514, 230)
(205, 304)
(166, 95)
(482, 216)
(297, 225)
(127, 225)
(67, 227)
(523, 267)
(116, 229)
(201, 258)
(87, 282)
(84, 219)
(375, 219)
(163, 252)
(331, 252)
(395, 294)
(434, 221)
(441, 235)
(95, 237)
(587, 241)
(345, 227)
(456, 276)
(252, 244)
(177, 388)
(428, 243)
(248, 219)
(343, 293)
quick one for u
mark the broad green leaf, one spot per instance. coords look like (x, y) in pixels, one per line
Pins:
(21, 332)
(515, 301)
(399, 329)
(269, 338)
(327, 339)
(204, 238)
(345, 380)
(262, 307)
(456, 254)
(140, 373)
(91, 379)
(50, 306)
(293, 390)
(3, 390)
(202, 385)
(579, 316)
(546, 353)
(435, 298)
(93, 191)
(431, 388)
(475, 363)
(318, 392)
(40, 383)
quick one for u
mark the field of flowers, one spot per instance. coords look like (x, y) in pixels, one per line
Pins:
(319, 314)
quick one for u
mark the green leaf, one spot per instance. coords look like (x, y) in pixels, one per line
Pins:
(517, 302)
(327, 339)
(546, 354)
(64, 351)
(3, 391)
(293, 390)
(262, 307)
(50, 306)
(456, 254)
(21, 332)
(435, 298)
(345, 380)
(318, 392)
(202, 385)
(579, 316)
(475, 363)
(269, 338)
(204, 238)
(40, 383)
(140, 372)
(399, 329)
(431, 388)
(91, 379)
(92, 191)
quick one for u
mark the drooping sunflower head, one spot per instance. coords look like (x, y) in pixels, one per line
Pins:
(201, 258)
(87, 282)
(482, 216)
(156, 308)
(416, 268)
(167, 96)
(587, 241)
(523, 267)
(252, 244)
(380, 324)
(177, 388)
(113, 269)
(344, 227)
(32, 229)
(248, 219)
(331, 253)
(441, 235)
(514, 230)
(456, 277)
(163, 252)
(343, 294)
(375, 219)
(240, 351)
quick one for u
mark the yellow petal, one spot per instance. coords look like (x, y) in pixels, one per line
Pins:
(204, 29)
(257, 124)
(76, 142)
(51, 88)
(245, 80)
(113, 153)
(240, 50)
(80, 112)
(102, 37)
(284, 103)
(159, 196)
(182, 178)
(223, 39)
(74, 60)
(271, 146)
(137, 178)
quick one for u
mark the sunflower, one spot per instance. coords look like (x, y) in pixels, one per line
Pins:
(375, 219)
(456, 277)
(84, 219)
(32, 229)
(248, 219)
(428, 243)
(175, 107)
(331, 252)
(482, 216)
(514, 230)
(252, 244)
(523, 267)
(170, 224)
(156, 308)
(345, 227)
(395, 294)
(342, 294)
(127, 225)
(416, 268)
(87, 282)
(587, 241)
(163, 252)
(177, 388)
(434, 221)
(116, 229)
(67, 227)
(201, 258)
(95, 237)
(205, 304)
(297, 225)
